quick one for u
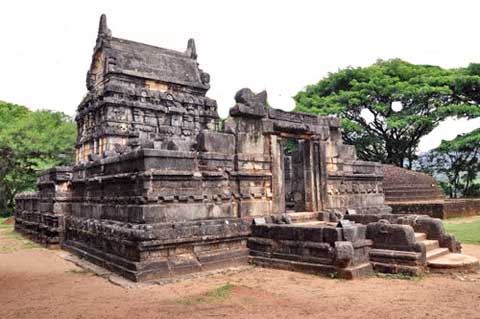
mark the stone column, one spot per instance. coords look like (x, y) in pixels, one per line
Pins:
(278, 175)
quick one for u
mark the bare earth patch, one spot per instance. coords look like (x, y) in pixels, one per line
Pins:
(38, 283)
(7, 221)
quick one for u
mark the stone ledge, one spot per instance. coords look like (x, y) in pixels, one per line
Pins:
(361, 270)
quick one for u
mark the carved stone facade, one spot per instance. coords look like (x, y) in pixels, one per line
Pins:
(141, 95)
(160, 188)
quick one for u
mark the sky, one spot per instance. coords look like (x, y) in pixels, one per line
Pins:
(280, 46)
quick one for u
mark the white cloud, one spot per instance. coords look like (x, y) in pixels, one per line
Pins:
(447, 130)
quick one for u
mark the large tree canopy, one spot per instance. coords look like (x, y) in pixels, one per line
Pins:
(363, 97)
(459, 161)
(30, 141)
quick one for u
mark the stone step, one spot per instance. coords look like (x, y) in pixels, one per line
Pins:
(420, 236)
(453, 263)
(434, 253)
(430, 244)
(302, 217)
(315, 223)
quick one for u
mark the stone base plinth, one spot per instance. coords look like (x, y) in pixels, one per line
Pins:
(316, 249)
(148, 252)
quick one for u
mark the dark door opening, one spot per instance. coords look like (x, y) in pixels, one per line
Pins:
(294, 174)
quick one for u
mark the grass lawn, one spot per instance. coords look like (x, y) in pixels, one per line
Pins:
(466, 230)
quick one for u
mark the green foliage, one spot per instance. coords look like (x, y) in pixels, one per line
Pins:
(333, 275)
(362, 98)
(466, 230)
(221, 124)
(401, 276)
(215, 295)
(459, 161)
(30, 141)
(221, 292)
(445, 186)
(289, 146)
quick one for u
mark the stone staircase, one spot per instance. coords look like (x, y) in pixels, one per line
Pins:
(439, 259)
(310, 243)
(442, 260)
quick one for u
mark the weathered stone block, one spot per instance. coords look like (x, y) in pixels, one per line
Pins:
(216, 142)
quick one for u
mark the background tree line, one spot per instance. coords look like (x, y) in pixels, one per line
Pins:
(456, 163)
(30, 141)
(365, 99)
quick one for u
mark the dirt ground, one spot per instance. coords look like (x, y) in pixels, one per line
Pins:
(38, 283)
(8, 221)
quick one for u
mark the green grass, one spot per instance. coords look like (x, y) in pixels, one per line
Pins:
(216, 295)
(333, 275)
(401, 276)
(7, 231)
(467, 232)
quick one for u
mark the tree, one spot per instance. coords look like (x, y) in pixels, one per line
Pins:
(30, 141)
(459, 161)
(363, 97)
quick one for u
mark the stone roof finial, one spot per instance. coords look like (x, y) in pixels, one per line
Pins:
(103, 30)
(191, 50)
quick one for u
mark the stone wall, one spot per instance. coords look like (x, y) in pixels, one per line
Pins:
(40, 215)
(440, 209)
(333, 177)
(461, 207)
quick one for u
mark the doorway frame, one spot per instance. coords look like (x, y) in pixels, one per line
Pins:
(315, 177)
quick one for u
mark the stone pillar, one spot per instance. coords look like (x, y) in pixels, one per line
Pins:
(278, 175)
(306, 148)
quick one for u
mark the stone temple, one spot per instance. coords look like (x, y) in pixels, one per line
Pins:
(161, 186)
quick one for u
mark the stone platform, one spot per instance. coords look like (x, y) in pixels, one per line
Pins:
(453, 263)
(317, 249)
(160, 250)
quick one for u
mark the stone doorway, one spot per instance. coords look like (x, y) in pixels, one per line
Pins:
(296, 175)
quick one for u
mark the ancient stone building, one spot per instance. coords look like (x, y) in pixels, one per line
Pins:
(161, 187)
